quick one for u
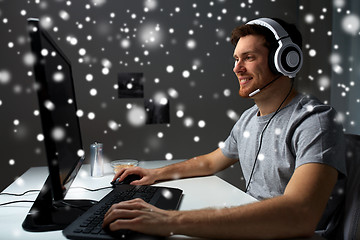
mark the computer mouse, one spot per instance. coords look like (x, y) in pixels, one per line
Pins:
(127, 180)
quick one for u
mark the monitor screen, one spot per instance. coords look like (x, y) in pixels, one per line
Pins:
(61, 130)
(57, 105)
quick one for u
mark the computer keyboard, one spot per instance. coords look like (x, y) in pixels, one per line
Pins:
(89, 224)
(93, 223)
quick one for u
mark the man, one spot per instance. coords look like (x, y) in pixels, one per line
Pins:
(289, 147)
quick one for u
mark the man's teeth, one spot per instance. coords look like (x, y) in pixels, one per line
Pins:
(245, 79)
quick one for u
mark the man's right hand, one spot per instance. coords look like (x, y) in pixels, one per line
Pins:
(147, 176)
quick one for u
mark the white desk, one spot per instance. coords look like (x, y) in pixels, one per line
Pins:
(196, 195)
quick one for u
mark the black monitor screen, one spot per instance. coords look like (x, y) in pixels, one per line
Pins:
(62, 137)
(57, 105)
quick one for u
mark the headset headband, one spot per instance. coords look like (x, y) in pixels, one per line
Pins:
(278, 31)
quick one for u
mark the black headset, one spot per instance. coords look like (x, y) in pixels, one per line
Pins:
(287, 58)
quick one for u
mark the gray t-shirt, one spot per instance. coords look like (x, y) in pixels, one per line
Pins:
(304, 131)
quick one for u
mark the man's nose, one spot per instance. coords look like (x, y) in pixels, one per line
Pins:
(239, 67)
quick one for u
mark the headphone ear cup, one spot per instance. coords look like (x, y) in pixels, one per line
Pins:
(289, 59)
(271, 60)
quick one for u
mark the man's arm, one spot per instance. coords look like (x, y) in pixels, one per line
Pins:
(294, 214)
(198, 166)
(203, 165)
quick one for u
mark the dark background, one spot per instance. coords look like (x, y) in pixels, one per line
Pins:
(103, 38)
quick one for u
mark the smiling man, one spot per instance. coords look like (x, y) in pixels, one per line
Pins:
(289, 147)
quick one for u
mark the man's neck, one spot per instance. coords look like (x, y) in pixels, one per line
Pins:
(270, 100)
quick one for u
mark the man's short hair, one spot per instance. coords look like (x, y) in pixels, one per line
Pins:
(253, 29)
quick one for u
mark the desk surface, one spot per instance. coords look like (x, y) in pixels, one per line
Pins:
(198, 193)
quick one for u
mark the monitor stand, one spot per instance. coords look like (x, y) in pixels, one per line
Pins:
(45, 215)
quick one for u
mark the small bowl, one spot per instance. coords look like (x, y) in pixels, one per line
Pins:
(125, 163)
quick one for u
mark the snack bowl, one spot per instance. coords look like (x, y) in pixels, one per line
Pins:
(124, 163)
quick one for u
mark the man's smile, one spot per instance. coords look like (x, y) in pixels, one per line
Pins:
(244, 80)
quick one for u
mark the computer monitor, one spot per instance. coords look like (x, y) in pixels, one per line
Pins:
(62, 136)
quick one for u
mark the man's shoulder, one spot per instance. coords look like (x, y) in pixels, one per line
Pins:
(310, 114)
(309, 105)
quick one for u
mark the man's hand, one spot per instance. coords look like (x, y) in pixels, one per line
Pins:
(148, 176)
(139, 216)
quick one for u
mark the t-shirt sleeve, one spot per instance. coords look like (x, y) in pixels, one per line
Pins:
(229, 148)
(318, 138)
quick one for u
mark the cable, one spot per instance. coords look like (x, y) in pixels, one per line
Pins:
(262, 134)
(22, 194)
(93, 190)
(19, 194)
(7, 203)
(28, 191)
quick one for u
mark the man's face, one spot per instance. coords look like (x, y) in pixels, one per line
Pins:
(251, 66)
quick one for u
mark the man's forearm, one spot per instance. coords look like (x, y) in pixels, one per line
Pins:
(197, 166)
(273, 218)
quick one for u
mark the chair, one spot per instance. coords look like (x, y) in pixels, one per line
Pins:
(350, 223)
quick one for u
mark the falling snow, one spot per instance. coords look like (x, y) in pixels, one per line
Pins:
(58, 133)
(166, 193)
(351, 24)
(183, 51)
